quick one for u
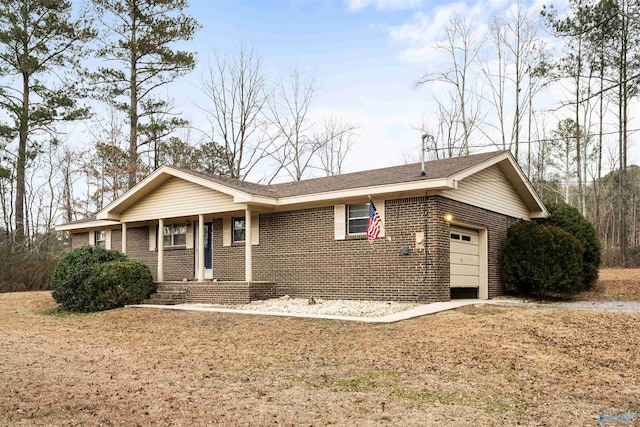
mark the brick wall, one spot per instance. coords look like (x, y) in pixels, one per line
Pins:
(228, 261)
(116, 239)
(79, 240)
(298, 252)
(179, 263)
(138, 248)
(496, 225)
(437, 250)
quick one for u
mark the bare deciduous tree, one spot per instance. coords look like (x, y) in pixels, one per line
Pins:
(289, 110)
(462, 47)
(236, 89)
(336, 139)
(515, 73)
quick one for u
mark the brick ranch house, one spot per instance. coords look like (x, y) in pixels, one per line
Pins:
(213, 239)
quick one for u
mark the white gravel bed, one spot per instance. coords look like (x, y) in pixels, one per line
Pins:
(628, 306)
(321, 307)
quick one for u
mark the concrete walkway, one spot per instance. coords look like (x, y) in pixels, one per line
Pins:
(422, 310)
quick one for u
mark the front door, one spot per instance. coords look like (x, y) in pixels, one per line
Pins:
(208, 250)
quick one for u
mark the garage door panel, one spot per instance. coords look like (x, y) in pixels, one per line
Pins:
(464, 270)
(463, 248)
(464, 230)
(464, 235)
(464, 259)
(464, 281)
(463, 238)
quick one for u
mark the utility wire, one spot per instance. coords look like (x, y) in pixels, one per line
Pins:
(533, 141)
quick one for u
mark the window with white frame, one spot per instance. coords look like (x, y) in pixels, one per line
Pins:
(100, 239)
(174, 235)
(239, 230)
(357, 218)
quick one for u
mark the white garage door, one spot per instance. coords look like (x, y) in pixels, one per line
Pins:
(465, 259)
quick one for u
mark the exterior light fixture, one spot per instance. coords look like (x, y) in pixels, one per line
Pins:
(448, 217)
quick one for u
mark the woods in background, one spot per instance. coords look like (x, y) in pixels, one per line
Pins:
(105, 68)
(575, 152)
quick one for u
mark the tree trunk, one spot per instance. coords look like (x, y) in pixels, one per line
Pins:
(133, 107)
(21, 162)
(579, 130)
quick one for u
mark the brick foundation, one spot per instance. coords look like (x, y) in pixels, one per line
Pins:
(221, 292)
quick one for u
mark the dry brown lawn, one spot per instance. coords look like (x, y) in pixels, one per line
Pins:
(481, 365)
(615, 285)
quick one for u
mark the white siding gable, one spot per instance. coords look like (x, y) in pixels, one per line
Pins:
(176, 198)
(489, 189)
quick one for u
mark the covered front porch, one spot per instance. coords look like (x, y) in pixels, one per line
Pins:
(196, 236)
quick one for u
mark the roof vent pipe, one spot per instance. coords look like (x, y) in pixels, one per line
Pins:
(424, 148)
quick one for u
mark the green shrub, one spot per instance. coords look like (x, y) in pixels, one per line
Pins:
(569, 219)
(117, 283)
(542, 260)
(93, 279)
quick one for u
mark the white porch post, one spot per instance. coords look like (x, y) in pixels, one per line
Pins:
(200, 248)
(248, 247)
(160, 243)
(124, 238)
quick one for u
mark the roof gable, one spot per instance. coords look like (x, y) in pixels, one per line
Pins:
(439, 175)
(177, 198)
(156, 180)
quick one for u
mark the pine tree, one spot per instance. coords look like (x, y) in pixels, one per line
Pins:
(40, 46)
(140, 36)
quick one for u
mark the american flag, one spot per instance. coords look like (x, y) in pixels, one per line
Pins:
(373, 229)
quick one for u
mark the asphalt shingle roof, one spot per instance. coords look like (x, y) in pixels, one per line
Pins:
(435, 169)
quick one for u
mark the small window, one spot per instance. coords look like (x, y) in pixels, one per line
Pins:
(455, 236)
(466, 238)
(358, 218)
(174, 235)
(239, 230)
(101, 239)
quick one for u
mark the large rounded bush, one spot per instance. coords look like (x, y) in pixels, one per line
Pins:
(569, 219)
(117, 283)
(542, 260)
(92, 279)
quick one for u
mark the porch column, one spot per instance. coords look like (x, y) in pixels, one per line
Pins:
(160, 243)
(124, 238)
(200, 248)
(248, 247)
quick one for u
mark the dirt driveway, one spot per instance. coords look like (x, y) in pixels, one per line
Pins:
(482, 365)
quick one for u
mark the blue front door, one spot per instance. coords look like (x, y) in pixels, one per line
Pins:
(208, 246)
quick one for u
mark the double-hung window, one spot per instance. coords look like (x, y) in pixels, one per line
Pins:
(100, 239)
(174, 235)
(357, 218)
(239, 230)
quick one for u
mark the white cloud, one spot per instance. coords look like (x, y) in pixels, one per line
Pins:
(418, 38)
(358, 5)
